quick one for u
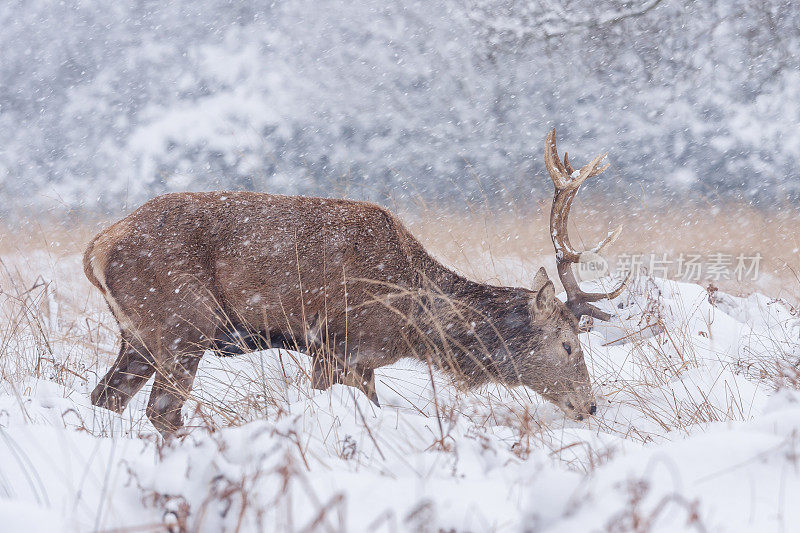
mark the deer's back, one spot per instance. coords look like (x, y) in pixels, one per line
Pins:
(268, 261)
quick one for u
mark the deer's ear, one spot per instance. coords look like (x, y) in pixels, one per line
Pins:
(544, 304)
(540, 279)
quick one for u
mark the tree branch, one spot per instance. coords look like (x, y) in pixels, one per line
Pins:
(554, 22)
(608, 19)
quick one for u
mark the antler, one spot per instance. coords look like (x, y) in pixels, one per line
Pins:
(567, 181)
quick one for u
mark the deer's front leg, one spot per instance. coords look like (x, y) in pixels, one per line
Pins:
(364, 380)
(327, 371)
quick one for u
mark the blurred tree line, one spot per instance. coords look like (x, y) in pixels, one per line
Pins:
(103, 105)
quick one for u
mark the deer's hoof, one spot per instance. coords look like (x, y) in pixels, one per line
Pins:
(108, 398)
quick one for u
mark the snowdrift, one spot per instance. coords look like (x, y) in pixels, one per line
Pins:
(698, 429)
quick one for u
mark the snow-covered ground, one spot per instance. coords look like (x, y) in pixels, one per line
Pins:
(698, 429)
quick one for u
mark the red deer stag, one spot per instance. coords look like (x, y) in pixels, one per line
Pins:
(342, 281)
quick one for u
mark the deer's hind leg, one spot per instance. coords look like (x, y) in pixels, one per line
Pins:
(128, 374)
(171, 389)
(186, 333)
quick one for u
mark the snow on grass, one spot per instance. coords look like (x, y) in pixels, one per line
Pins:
(697, 429)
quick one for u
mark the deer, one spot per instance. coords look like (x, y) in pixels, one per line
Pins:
(341, 281)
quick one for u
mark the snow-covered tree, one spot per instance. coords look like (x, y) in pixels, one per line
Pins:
(102, 106)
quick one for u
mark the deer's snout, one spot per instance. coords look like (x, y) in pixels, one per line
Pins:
(579, 408)
(592, 411)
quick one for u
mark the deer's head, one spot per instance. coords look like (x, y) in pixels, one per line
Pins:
(557, 369)
(563, 377)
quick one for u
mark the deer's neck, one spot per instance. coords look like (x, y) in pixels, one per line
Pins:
(464, 327)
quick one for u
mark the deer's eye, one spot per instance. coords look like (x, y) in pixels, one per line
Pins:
(567, 348)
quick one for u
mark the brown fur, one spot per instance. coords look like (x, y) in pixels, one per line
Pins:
(343, 281)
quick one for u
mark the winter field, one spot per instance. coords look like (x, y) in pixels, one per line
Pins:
(698, 428)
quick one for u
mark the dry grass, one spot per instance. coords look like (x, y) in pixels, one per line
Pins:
(40, 276)
(507, 247)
